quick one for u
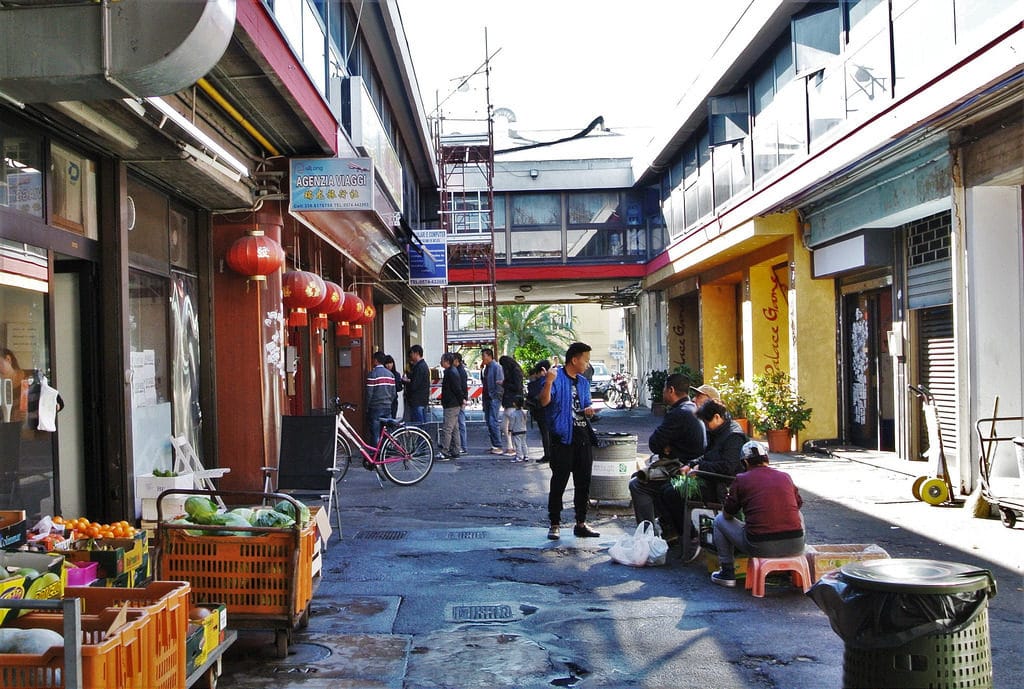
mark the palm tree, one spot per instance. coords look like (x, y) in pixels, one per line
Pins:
(538, 324)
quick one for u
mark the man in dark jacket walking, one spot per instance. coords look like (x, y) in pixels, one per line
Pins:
(452, 396)
(417, 385)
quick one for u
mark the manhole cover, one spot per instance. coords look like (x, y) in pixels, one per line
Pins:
(482, 612)
(461, 535)
(301, 655)
(382, 535)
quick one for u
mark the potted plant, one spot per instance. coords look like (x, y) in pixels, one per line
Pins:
(655, 382)
(778, 411)
(735, 395)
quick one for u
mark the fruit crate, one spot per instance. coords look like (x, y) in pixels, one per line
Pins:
(109, 661)
(264, 580)
(166, 604)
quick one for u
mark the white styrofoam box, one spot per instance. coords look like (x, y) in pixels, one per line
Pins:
(151, 486)
(173, 506)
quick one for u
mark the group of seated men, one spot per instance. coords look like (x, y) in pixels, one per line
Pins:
(699, 434)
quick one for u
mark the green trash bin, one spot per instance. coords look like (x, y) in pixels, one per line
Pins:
(921, 624)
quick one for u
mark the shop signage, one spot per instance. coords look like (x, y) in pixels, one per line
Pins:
(428, 264)
(331, 184)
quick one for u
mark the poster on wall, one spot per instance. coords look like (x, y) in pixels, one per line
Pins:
(428, 263)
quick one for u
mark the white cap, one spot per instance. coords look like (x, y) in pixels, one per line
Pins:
(753, 448)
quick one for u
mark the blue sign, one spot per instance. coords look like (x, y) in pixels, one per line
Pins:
(331, 184)
(428, 264)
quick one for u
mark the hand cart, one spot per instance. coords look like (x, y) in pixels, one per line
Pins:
(690, 507)
(935, 489)
(1010, 507)
(265, 580)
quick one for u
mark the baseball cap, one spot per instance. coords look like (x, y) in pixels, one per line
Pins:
(705, 390)
(753, 448)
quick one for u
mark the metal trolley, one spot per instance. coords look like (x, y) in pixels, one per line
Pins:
(1010, 507)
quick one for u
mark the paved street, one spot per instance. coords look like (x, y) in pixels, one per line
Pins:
(452, 583)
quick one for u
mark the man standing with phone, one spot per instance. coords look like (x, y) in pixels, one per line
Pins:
(566, 401)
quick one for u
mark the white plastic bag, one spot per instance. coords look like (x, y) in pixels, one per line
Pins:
(643, 548)
(47, 407)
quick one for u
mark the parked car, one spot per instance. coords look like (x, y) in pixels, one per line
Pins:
(601, 379)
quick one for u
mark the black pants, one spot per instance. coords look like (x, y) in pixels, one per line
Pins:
(545, 434)
(576, 460)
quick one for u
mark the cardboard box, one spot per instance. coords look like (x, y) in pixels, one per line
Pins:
(828, 558)
(194, 648)
(18, 586)
(173, 506)
(740, 564)
(115, 556)
(213, 626)
(12, 528)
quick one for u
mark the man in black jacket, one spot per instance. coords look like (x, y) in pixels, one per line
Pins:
(722, 456)
(417, 385)
(679, 439)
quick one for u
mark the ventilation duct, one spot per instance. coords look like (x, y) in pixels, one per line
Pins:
(89, 51)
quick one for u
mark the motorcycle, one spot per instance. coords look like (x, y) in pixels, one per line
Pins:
(621, 393)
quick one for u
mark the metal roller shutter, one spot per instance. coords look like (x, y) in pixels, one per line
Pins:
(938, 370)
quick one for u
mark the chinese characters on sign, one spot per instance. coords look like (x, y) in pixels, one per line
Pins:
(331, 184)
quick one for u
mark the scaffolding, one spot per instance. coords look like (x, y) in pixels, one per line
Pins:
(466, 210)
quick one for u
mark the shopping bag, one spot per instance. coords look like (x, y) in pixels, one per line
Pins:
(643, 548)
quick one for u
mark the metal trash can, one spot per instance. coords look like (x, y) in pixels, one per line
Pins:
(910, 623)
(614, 463)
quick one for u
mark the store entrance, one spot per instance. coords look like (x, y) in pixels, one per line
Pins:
(870, 407)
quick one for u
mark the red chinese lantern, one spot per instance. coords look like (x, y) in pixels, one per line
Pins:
(369, 312)
(341, 328)
(334, 298)
(351, 309)
(301, 290)
(357, 330)
(255, 256)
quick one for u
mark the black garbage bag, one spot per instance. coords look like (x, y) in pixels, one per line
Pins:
(866, 618)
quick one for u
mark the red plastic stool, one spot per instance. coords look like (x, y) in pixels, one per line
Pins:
(759, 568)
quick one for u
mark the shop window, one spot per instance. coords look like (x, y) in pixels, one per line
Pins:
(21, 178)
(148, 235)
(73, 185)
(536, 210)
(536, 245)
(594, 208)
(151, 402)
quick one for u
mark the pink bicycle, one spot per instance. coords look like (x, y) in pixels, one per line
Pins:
(403, 454)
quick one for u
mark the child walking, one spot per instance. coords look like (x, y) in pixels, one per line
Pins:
(517, 429)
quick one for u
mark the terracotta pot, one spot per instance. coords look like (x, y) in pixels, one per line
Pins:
(779, 441)
(744, 424)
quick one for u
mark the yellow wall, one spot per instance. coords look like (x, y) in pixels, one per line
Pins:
(684, 326)
(813, 346)
(718, 327)
(768, 348)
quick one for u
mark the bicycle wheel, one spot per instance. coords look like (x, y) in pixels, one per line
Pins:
(612, 398)
(342, 456)
(408, 456)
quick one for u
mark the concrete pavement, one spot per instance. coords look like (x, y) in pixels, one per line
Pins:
(452, 583)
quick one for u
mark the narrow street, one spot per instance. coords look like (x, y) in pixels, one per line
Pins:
(452, 583)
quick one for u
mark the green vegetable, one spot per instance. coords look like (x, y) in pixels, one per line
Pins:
(286, 507)
(200, 509)
(245, 513)
(272, 518)
(229, 519)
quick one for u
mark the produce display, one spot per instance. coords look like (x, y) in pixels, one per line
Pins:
(81, 527)
(29, 641)
(203, 511)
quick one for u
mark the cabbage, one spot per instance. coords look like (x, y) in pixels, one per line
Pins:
(272, 518)
(200, 509)
(229, 519)
(183, 521)
(245, 513)
(286, 507)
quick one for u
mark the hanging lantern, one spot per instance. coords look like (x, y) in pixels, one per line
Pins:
(301, 290)
(334, 299)
(341, 327)
(357, 330)
(369, 312)
(351, 309)
(255, 256)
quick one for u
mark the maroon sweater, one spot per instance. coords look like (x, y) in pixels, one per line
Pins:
(770, 504)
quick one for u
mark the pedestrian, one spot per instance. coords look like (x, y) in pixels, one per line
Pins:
(389, 364)
(678, 439)
(566, 401)
(380, 394)
(493, 379)
(460, 366)
(517, 430)
(511, 390)
(770, 503)
(417, 385)
(533, 388)
(702, 394)
(452, 396)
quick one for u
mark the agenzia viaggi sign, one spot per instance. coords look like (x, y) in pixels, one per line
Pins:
(331, 184)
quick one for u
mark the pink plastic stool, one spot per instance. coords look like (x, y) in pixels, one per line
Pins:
(760, 567)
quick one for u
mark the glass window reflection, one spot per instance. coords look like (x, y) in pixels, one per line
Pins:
(21, 178)
(536, 245)
(536, 210)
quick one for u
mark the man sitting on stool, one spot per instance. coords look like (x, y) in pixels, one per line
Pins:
(771, 505)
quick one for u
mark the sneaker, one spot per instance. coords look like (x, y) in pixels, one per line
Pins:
(511, 453)
(463, 452)
(522, 459)
(554, 533)
(584, 531)
(542, 460)
(442, 457)
(497, 451)
(724, 577)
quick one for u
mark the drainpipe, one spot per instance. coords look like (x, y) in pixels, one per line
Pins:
(209, 90)
(105, 37)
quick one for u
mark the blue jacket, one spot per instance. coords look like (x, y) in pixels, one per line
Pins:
(493, 378)
(559, 408)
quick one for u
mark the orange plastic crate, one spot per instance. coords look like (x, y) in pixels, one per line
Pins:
(117, 661)
(166, 603)
(251, 575)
